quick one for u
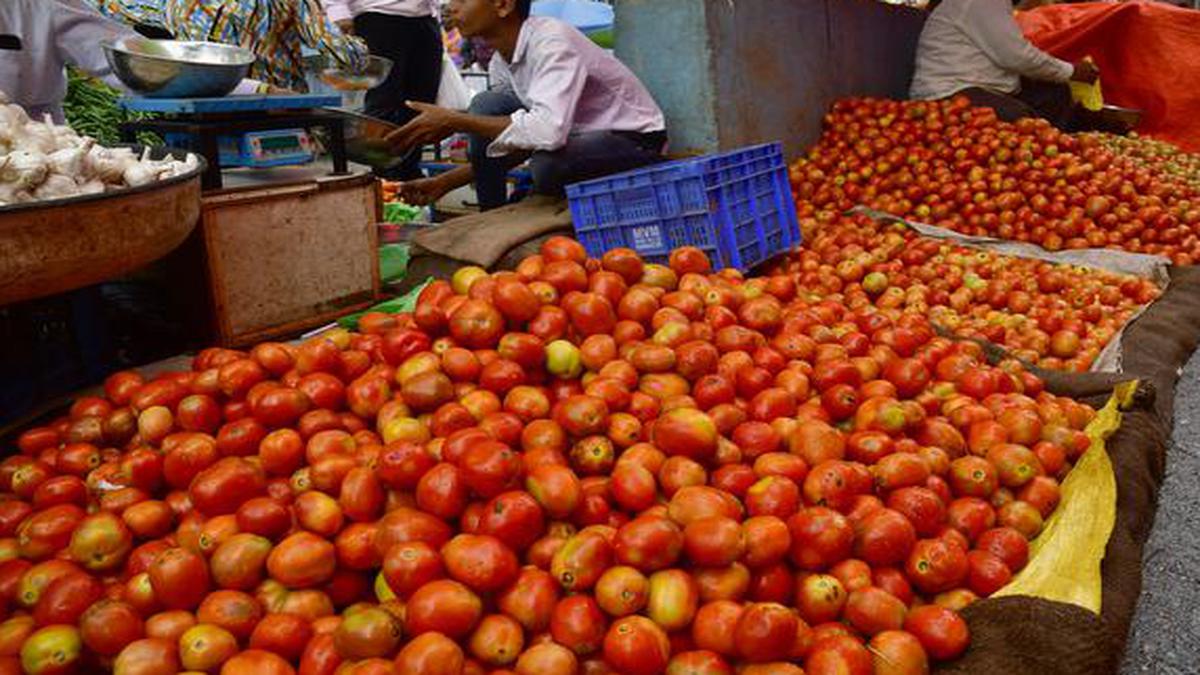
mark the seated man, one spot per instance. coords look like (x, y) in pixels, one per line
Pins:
(558, 99)
(975, 48)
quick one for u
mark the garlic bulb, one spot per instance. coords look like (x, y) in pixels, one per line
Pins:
(138, 174)
(92, 187)
(25, 169)
(43, 160)
(69, 160)
(56, 186)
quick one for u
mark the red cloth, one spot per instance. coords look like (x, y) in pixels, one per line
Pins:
(1148, 53)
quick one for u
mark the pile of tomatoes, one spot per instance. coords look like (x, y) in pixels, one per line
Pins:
(1158, 156)
(582, 466)
(948, 164)
(1055, 316)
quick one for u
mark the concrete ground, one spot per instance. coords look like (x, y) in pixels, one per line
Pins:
(1165, 638)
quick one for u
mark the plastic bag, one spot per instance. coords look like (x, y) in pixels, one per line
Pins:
(452, 92)
(404, 303)
(1088, 95)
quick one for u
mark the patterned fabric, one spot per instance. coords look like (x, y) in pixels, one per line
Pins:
(275, 30)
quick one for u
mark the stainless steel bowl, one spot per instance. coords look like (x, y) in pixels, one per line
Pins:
(177, 69)
(325, 75)
(366, 140)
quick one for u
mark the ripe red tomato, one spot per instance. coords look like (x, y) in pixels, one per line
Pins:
(579, 624)
(943, 633)
(179, 578)
(635, 645)
(765, 632)
(442, 606)
(430, 654)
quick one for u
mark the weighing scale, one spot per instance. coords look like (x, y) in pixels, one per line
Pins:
(243, 131)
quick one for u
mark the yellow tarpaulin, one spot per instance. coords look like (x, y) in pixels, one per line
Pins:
(1064, 560)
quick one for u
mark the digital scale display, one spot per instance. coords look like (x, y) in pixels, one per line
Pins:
(280, 147)
(285, 143)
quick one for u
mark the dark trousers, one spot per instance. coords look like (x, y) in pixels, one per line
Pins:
(414, 44)
(585, 156)
(1047, 100)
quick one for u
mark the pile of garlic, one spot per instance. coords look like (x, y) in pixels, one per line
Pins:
(43, 160)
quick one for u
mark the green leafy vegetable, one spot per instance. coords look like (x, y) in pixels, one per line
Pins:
(91, 109)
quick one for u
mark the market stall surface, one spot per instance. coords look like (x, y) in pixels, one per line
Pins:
(1165, 637)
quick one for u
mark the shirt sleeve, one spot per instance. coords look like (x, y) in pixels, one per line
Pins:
(992, 27)
(317, 31)
(246, 87)
(557, 82)
(78, 31)
(338, 10)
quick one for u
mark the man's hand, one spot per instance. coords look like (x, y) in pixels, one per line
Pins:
(346, 26)
(422, 192)
(1086, 71)
(430, 126)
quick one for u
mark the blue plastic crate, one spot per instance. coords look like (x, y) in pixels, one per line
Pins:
(735, 206)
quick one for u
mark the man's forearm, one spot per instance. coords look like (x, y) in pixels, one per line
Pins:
(457, 177)
(488, 126)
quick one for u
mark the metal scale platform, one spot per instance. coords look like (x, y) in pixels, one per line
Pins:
(256, 131)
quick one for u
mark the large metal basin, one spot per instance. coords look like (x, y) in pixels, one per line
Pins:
(59, 245)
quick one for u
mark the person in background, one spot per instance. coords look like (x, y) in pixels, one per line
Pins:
(406, 32)
(558, 99)
(975, 48)
(44, 36)
(275, 30)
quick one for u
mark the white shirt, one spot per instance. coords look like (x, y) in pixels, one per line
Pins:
(341, 10)
(977, 43)
(568, 85)
(55, 33)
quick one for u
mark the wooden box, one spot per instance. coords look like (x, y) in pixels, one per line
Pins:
(285, 258)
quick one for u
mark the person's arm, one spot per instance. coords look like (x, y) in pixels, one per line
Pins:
(991, 25)
(434, 124)
(558, 79)
(78, 31)
(426, 191)
(318, 31)
(554, 92)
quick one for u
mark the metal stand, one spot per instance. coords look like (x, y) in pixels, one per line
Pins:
(207, 128)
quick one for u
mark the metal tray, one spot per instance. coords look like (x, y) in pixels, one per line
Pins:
(57, 245)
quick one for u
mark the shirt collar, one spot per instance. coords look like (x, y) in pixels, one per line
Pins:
(522, 41)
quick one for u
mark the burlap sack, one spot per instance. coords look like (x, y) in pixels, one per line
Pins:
(493, 240)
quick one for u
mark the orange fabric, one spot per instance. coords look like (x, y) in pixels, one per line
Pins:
(1148, 53)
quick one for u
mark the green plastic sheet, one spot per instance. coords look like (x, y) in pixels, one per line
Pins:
(404, 303)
